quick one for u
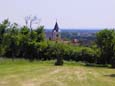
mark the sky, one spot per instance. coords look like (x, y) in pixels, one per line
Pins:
(68, 13)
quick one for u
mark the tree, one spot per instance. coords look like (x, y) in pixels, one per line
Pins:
(3, 26)
(3, 29)
(31, 20)
(11, 39)
(106, 42)
(40, 34)
(58, 52)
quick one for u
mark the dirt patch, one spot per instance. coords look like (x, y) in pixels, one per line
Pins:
(56, 71)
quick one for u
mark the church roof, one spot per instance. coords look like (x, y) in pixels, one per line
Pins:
(56, 27)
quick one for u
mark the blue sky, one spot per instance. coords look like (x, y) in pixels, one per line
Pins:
(69, 13)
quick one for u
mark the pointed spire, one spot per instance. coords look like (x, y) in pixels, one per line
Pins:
(56, 27)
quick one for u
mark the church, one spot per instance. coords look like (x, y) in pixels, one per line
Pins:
(54, 34)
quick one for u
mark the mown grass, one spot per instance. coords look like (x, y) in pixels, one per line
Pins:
(44, 73)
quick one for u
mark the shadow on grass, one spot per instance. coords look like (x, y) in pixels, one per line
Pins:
(95, 65)
(111, 75)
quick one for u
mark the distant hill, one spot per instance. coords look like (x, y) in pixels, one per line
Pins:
(76, 30)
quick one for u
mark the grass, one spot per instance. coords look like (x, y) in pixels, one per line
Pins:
(39, 73)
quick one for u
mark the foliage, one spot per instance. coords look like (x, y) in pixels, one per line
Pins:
(23, 42)
(106, 43)
(18, 42)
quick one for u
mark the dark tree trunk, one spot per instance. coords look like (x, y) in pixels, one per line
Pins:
(113, 63)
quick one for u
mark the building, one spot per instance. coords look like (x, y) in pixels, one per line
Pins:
(54, 34)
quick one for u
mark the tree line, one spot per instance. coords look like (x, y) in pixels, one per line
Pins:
(23, 42)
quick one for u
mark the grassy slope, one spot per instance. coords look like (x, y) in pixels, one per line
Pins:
(24, 73)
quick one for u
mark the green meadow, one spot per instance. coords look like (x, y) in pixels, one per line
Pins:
(44, 73)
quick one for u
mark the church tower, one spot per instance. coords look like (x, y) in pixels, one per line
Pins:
(56, 35)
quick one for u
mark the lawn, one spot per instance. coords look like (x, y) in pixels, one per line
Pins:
(38, 73)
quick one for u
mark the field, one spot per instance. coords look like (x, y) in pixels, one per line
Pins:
(25, 73)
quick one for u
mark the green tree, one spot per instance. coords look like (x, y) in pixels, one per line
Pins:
(40, 34)
(105, 40)
(3, 29)
(11, 39)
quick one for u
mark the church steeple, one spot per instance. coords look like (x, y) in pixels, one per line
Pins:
(56, 32)
(56, 27)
